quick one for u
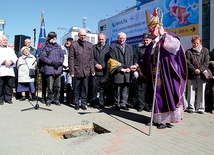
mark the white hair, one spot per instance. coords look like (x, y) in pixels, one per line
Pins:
(121, 34)
(3, 36)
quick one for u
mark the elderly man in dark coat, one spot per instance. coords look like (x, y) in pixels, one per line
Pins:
(123, 53)
(101, 56)
(81, 66)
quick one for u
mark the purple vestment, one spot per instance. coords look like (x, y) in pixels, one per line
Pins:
(170, 90)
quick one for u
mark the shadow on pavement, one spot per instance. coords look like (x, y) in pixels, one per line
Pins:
(123, 114)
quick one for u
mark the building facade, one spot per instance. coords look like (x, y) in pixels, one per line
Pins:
(2, 24)
(194, 17)
(73, 33)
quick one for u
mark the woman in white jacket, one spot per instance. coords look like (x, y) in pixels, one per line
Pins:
(25, 82)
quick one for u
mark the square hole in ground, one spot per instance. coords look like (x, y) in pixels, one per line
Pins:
(76, 131)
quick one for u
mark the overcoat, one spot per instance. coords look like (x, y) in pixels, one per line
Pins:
(101, 57)
(197, 60)
(23, 65)
(126, 60)
(81, 59)
(51, 53)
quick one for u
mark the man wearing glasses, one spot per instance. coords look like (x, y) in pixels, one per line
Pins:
(81, 66)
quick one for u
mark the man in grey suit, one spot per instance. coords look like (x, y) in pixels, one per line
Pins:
(123, 53)
(101, 56)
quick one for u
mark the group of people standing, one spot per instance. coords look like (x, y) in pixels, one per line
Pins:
(14, 71)
(165, 73)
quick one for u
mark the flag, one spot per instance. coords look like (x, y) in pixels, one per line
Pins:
(42, 34)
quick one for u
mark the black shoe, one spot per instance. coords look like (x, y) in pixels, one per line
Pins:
(31, 98)
(42, 100)
(93, 103)
(34, 98)
(168, 125)
(76, 107)
(9, 102)
(146, 108)
(200, 112)
(57, 103)
(48, 103)
(154, 124)
(101, 106)
(161, 126)
(117, 108)
(140, 109)
(189, 111)
(83, 108)
(23, 98)
(124, 107)
(148, 124)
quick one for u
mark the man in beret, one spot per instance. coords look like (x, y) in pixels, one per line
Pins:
(141, 81)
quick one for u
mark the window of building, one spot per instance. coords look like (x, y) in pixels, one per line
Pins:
(103, 28)
(76, 37)
(88, 38)
(93, 40)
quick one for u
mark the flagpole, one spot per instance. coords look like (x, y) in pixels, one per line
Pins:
(34, 37)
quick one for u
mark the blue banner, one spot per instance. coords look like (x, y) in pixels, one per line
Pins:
(42, 34)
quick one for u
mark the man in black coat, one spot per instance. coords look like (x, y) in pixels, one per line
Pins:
(101, 56)
(141, 81)
(123, 53)
(81, 66)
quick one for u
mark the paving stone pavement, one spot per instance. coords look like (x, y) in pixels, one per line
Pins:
(22, 132)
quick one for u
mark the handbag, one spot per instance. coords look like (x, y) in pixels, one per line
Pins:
(32, 72)
(208, 74)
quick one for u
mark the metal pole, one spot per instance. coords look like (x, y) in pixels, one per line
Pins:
(155, 87)
(34, 37)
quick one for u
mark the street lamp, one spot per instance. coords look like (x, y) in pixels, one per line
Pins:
(61, 29)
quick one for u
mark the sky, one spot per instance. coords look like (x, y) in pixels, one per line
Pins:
(22, 16)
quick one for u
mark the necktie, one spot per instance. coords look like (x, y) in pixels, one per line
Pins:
(123, 48)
